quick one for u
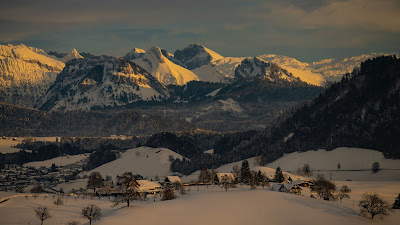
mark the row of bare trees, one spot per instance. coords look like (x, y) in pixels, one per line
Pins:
(90, 212)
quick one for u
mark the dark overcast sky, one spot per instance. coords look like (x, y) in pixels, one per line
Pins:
(307, 30)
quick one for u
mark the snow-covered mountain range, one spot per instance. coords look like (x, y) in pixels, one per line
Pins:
(26, 73)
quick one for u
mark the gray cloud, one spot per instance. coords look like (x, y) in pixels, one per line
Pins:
(230, 27)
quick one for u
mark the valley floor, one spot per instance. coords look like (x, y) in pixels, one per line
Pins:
(213, 205)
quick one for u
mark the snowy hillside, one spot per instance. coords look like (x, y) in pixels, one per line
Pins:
(355, 164)
(227, 168)
(145, 161)
(208, 205)
(25, 74)
(195, 55)
(101, 82)
(349, 159)
(58, 161)
(163, 69)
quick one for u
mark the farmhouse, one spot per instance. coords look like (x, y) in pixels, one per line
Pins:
(145, 186)
(287, 188)
(172, 179)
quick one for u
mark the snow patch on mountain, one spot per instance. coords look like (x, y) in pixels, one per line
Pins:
(222, 71)
(70, 56)
(163, 69)
(135, 53)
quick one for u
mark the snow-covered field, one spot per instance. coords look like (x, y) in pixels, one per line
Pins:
(213, 205)
(145, 161)
(7, 145)
(58, 161)
(355, 164)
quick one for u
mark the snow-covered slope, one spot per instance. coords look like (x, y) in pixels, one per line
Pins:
(163, 69)
(334, 69)
(355, 164)
(210, 205)
(349, 159)
(317, 73)
(222, 70)
(195, 55)
(227, 168)
(135, 53)
(70, 56)
(58, 161)
(297, 68)
(101, 82)
(25, 74)
(145, 161)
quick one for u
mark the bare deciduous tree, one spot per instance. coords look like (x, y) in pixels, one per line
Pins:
(344, 192)
(226, 182)
(168, 193)
(128, 193)
(95, 181)
(91, 212)
(42, 213)
(373, 205)
(59, 200)
(324, 188)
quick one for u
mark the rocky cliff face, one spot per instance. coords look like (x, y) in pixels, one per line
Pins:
(99, 82)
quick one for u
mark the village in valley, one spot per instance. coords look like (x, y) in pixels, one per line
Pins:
(61, 184)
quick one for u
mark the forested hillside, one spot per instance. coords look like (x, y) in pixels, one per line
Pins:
(20, 121)
(360, 111)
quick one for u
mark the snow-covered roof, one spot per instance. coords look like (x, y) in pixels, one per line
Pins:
(147, 185)
(174, 179)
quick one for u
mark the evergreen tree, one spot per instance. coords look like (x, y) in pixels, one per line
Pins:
(91, 212)
(205, 175)
(396, 204)
(245, 172)
(279, 175)
(375, 167)
(168, 194)
(307, 170)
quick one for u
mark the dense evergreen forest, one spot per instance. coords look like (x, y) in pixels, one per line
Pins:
(20, 121)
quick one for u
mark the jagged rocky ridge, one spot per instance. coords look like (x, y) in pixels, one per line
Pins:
(98, 82)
